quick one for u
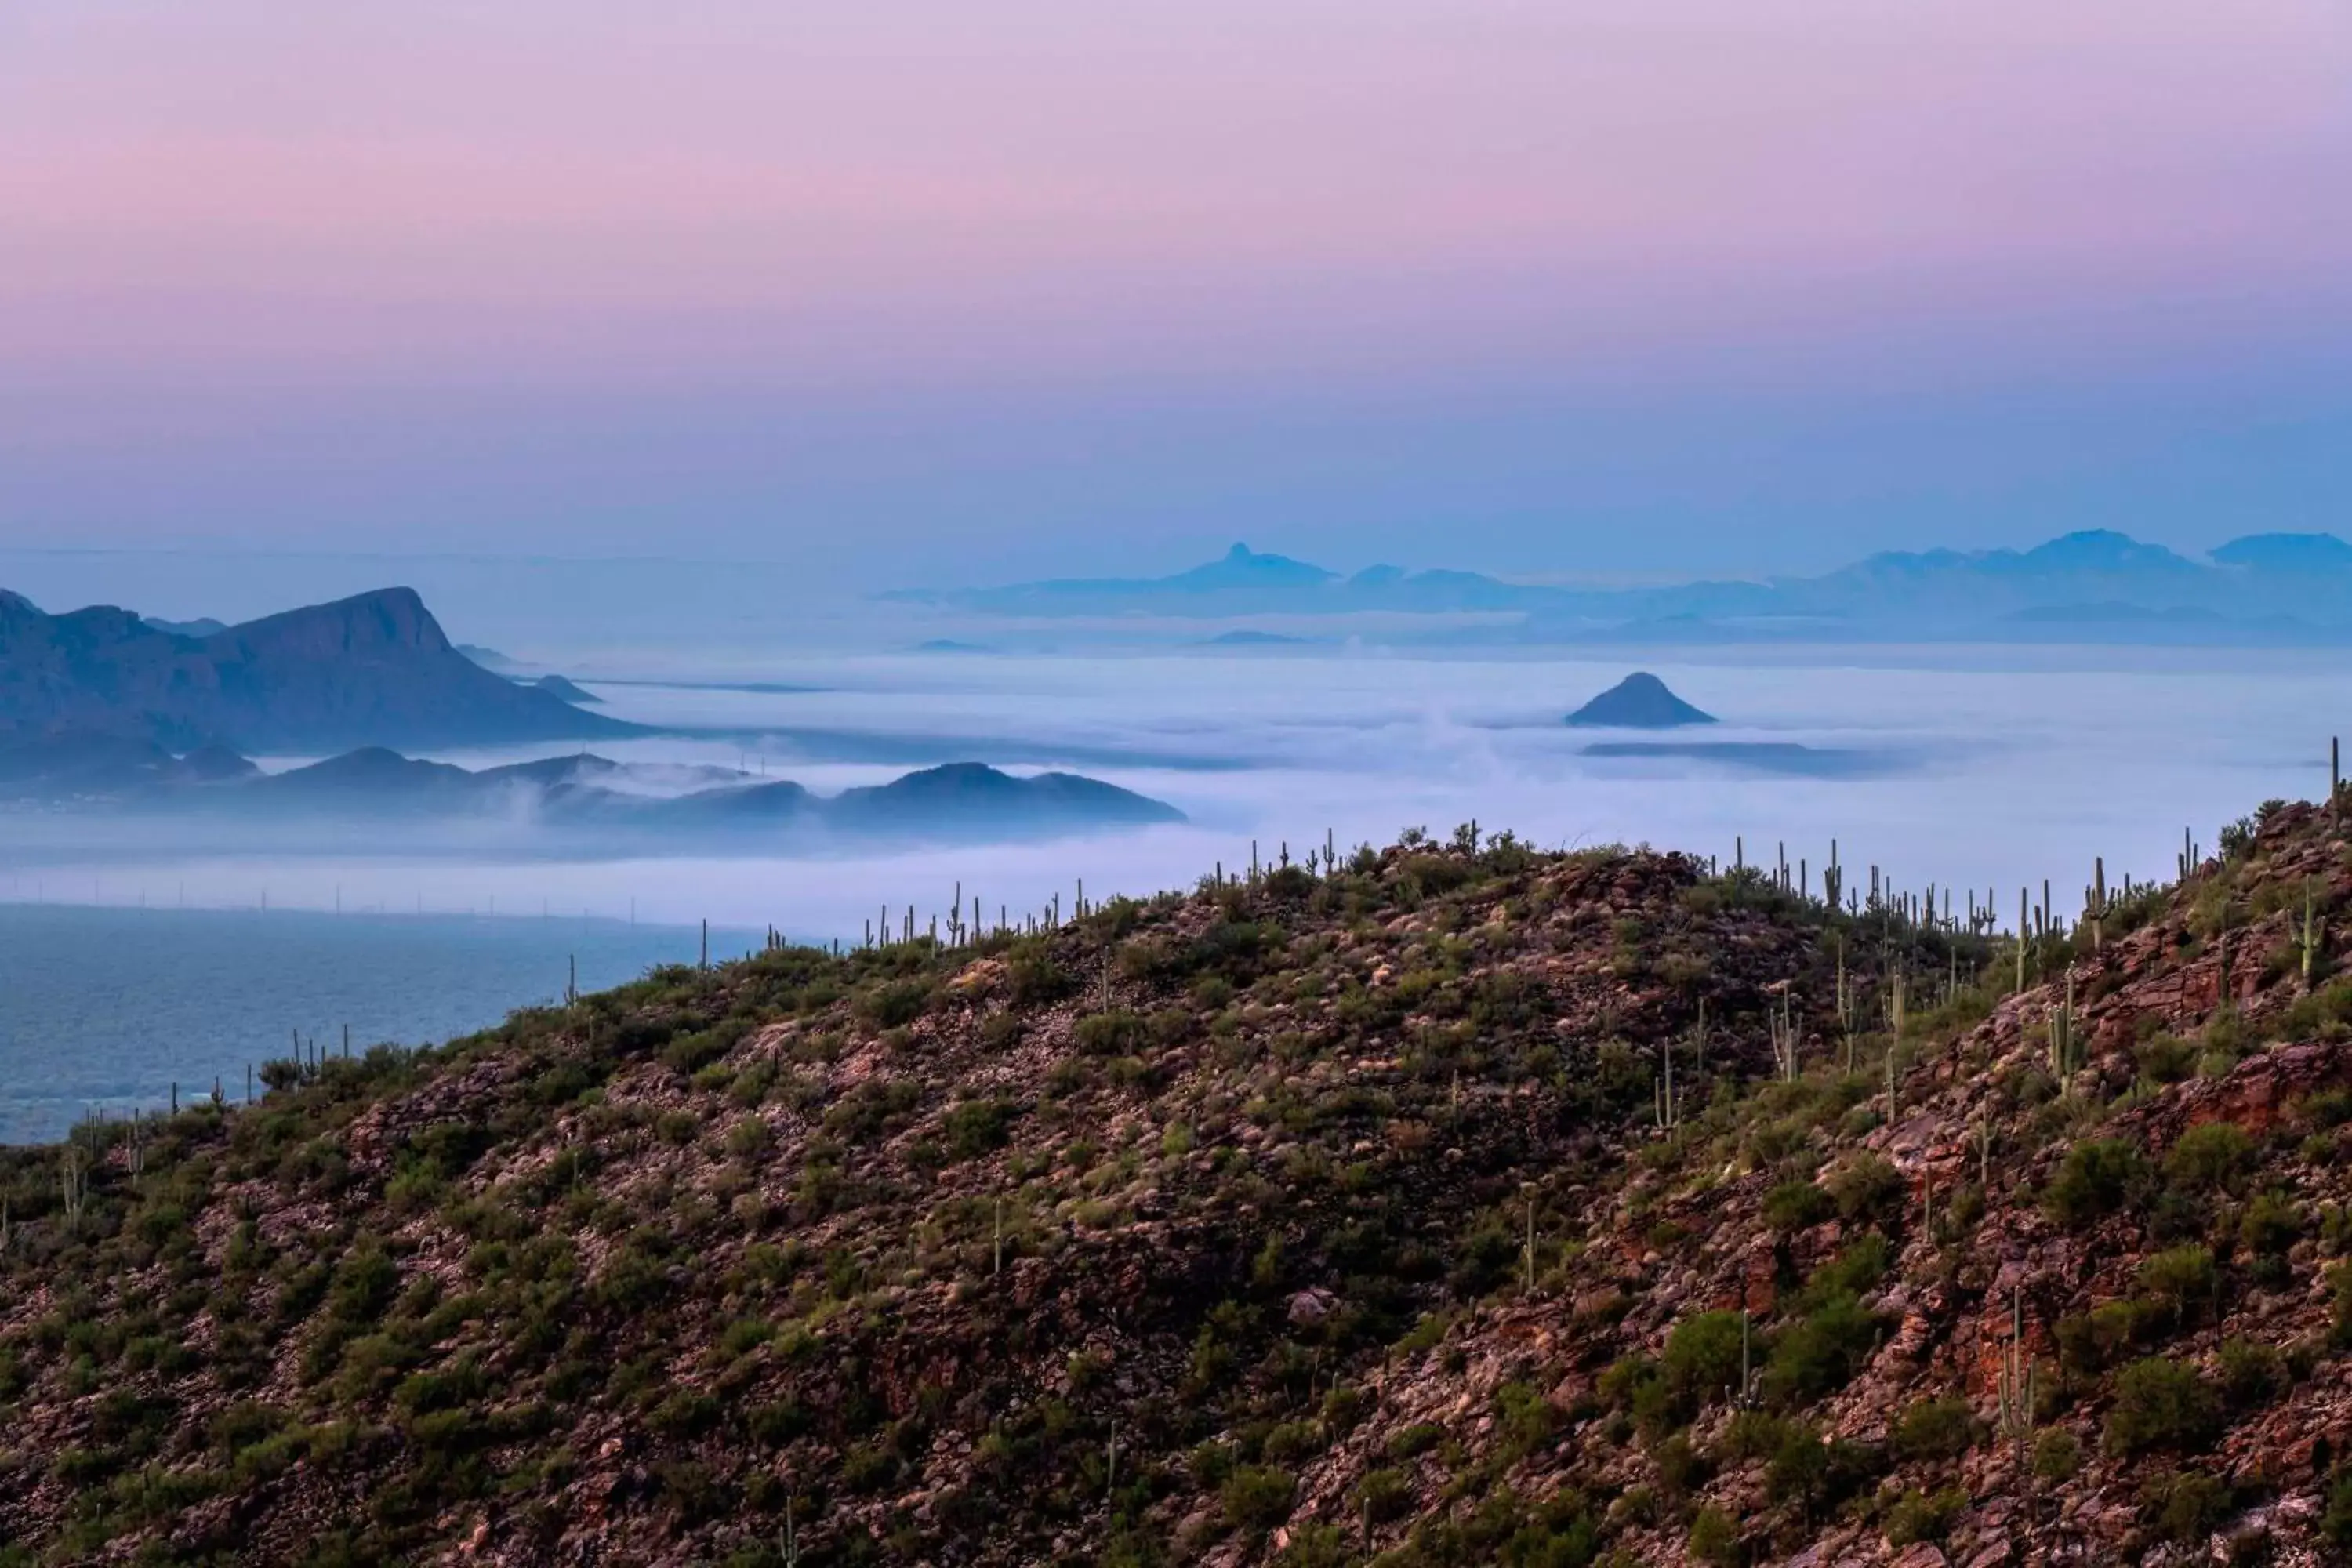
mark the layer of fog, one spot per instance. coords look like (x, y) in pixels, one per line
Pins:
(1982, 777)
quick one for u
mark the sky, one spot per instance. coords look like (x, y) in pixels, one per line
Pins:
(923, 292)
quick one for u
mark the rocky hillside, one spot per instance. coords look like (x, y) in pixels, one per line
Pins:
(1341, 1216)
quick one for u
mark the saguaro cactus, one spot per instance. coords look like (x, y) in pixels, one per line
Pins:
(2013, 1383)
(2065, 1047)
(1783, 1025)
(2021, 916)
(2310, 939)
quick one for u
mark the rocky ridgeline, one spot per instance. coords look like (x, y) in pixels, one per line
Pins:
(1455, 1204)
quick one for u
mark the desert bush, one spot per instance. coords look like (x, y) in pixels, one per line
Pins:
(1918, 1516)
(1797, 1205)
(2270, 1226)
(2098, 1178)
(2160, 1404)
(2057, 1455)
(1866, 1188)
(1702, 1357)
(1935, 1429)
(2184, 1507)
(1256, 1497)
(2251, 1373)
(2167, 1059)
(1819, 1353)
(2089, 1343)
(1384, 1495)
(978, 1127)
(2209, 1158)
(1713, 1538)
(2179, 1281)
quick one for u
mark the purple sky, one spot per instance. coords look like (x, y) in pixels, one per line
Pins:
(916, 288)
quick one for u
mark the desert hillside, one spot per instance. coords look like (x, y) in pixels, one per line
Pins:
(1456, 1203)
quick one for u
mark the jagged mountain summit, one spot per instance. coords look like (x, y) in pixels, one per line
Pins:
(1640, 701)
(374, 670)
(1447, 1206)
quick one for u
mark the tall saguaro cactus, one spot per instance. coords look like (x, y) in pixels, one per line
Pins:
(2065, 1046)
(1783, 1025)
(2310, 939)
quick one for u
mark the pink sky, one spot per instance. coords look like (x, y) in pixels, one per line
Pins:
(894, 198)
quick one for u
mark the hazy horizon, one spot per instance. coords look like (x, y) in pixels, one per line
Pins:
(1754, 287)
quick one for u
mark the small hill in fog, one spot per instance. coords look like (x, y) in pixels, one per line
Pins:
(1640, 701)
(564, 691)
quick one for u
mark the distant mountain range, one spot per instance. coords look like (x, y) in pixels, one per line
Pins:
(375, 669)
(581, 793)
(1245, 582)
(2093, 586)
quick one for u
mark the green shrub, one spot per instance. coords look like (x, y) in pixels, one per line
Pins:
(1752, 1433)
(1383, 1495)
(1713, 1538)
(1681, 1469)
(2057, 1455)
(2335, 1519)
(2209, 1158)
(978, 1127)
(1527, 1418)
(1797, 1205)
(1854, 1270)
(2270, 1226)
(1920, 1516)
(365, 1283)
(1702, 1358)
(2251, 1373)
(1410, 1442)
(894, 1004)
(1032, 976)
(1256, 1497)
(1316, 1545)
(1799, 1466)
(688, 1053)
(1935, 1429)
(2098, 1178)
(2160, 1404)
(1821, 1353)
(2179, 1281)
(1113, 1034)
(2166, 1059)
(2185, 1507)
(2089, 1343)
(1810, 1473)
(1866, 1188)
(1290, 1441)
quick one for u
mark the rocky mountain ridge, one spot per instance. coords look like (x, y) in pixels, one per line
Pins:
(1450, 1204)
(373, 669)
